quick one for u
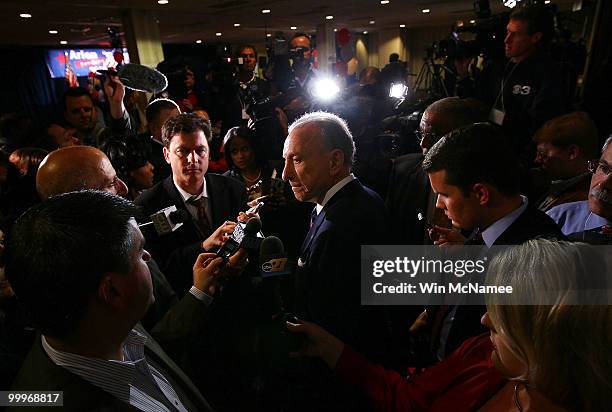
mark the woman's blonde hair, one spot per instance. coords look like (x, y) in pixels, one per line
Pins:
(564, 337)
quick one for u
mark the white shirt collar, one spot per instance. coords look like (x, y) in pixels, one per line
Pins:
(112, 376)
(333, 190)
(186, 196)
(490, 234)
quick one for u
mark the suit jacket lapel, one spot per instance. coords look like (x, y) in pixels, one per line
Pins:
(174, 373)
(218, 205)
(312, 233)
(173, 193)
(314, 230)
(177, 200)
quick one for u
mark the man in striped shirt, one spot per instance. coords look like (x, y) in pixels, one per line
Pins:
(78, 265)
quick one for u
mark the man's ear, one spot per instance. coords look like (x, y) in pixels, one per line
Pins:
(336, 161)
(482, 193)
(166, 154)
(573, 152)
(108, 291)
(536, 37)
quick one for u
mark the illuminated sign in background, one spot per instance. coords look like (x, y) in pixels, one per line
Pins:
(82, 61)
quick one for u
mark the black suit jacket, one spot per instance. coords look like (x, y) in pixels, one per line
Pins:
(328, 292)
(531, 224)
(176, 252)
(39, 373)
(408, 193)
(328, 281)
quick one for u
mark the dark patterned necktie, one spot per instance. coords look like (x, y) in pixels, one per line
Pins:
(475, 239)
(313, 216)
(202, 220)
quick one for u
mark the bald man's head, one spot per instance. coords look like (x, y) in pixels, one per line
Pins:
(77, 168)
(446, 115)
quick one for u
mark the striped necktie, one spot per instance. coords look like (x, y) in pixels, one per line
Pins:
(202, 221)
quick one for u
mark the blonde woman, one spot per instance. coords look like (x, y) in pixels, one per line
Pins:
(549, 347)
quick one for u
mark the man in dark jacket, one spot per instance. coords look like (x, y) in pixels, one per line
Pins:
(474, 173)
(78, 264)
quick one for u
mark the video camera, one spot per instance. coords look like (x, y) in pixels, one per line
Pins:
(297, 54)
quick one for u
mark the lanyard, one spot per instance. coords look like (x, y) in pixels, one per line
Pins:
(503, 85)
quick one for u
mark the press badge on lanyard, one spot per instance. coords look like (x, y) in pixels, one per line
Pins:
(496, 115)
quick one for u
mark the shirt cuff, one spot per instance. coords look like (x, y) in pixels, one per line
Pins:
(202, 296)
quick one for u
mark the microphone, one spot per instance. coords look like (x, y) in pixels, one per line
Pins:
(244, 236)
(167, 220)
(273, 259)
(141, 78)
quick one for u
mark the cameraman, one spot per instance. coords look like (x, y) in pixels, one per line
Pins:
(527, 91)
(252, 89)
(294, 82)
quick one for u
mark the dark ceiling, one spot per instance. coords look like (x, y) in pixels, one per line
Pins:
(84, 22)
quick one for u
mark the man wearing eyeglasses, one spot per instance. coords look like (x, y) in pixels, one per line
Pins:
(409, 190)
(564, 146)
(591, 220)
(210, 200)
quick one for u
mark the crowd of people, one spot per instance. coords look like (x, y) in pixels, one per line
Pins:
(97, 302)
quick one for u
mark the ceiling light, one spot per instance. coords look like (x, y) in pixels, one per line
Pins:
(329, 17)
(162, 1)
(372, 21)
(402, 25)
(52, 31)
(63, 42)
(365, 32)
(198, 41)
(293, 28)
(384, 1)
(269, 35)
(425, 10)
(25, 15)
(265, 11)
(472, 21)
(546, 1)
(335, 30)
(236, 24)
(218, 34)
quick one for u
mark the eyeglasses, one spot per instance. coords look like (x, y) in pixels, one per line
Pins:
(541, 154)
(115, 183)
(200, 151)
(599, 167)
(422, 136)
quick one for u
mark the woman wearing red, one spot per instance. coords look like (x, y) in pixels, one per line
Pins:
(543, 357)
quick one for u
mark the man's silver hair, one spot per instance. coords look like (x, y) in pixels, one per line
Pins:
(606, 144)
(334, 131)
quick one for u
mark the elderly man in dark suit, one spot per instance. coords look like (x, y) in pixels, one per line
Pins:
(78, 265)
(210, 200)
(318, 157)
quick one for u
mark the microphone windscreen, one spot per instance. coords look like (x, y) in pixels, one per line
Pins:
(253, 226)
(271, 247)
(142, 78)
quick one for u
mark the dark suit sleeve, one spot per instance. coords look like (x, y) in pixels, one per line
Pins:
(181, 325)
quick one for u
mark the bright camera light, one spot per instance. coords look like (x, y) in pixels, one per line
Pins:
(325, 89)
(398, 90)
